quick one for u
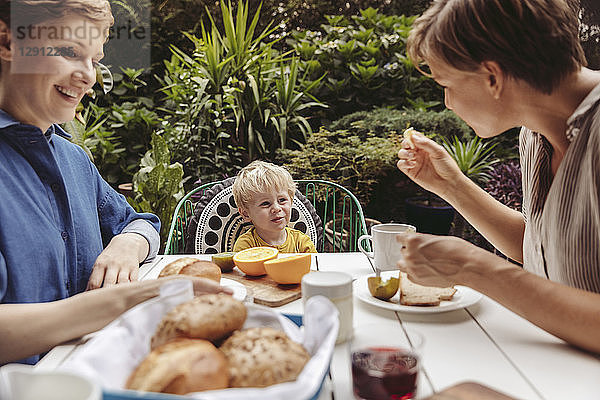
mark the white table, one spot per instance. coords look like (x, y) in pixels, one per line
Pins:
(485, 343)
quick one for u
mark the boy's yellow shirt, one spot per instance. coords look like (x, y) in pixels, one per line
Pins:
(296, 242)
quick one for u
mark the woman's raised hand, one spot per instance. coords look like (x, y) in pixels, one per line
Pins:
(428, 164)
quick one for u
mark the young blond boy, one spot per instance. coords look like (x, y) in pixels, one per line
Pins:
(263, 193)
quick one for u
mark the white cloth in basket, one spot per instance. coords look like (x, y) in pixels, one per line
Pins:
(110, 356)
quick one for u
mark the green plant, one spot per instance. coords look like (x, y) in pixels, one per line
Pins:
(344, 158)
(235, 92)
(385, 121)
(158, 184)
(289, 103)
(363, 58)
(475, 158)
(128, 122)
(85, 130)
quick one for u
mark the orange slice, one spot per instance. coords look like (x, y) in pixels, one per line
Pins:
(288, 270)
(251, 261)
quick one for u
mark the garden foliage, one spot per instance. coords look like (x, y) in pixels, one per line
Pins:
(235, 98)
(158, 185)
(363, 59)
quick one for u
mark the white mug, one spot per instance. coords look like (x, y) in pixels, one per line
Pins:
(24, 382)
(386, 250)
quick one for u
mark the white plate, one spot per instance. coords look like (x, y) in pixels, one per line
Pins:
(239, 290)
(463, 297)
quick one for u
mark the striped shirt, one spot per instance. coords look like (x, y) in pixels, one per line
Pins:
(562, 215)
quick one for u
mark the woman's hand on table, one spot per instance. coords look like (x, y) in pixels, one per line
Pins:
(428, 164)
(119, 262)
(432, 260)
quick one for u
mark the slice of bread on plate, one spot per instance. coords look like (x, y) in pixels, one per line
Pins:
(412, 294)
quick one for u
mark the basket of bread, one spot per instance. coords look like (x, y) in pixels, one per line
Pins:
(209, 347)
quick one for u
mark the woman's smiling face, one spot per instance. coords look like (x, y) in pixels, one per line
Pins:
(51, 67)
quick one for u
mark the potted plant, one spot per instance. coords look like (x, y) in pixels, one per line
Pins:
(428, 212)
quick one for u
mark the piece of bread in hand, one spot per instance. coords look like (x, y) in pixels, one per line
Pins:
(260, 357)
(412, 294)
(408, 134)
(210, 316)
(192, 267)
(181, 366)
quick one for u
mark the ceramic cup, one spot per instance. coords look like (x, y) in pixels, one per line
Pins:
(386, 250)
(23, 382)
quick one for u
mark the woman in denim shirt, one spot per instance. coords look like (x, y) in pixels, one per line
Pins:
(63, 229)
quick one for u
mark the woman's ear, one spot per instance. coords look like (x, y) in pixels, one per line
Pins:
(495, 78)
(5, 39)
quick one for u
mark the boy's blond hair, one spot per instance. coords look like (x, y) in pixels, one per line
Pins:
(261, 177)
(536, 41)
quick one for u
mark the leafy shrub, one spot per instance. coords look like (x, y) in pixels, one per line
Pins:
(234, 92)
(342, 157)
(505, 184)
(364, 63)
(123, 122)
(158, 184)
(385, 121)
(171, 17)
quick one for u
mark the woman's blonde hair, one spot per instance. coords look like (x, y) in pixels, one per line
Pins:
(261, 177)
(536, 41)
(38, 11)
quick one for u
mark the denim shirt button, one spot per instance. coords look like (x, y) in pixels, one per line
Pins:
(64, 235)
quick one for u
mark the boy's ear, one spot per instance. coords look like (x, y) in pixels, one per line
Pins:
(244, 213)
(5, 39)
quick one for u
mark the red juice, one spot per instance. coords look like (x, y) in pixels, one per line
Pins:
(382, 373)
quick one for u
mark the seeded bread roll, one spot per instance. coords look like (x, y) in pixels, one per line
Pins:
(412, 294)
(211, 317)
(260, 357)
(192, 267)
(181, 366)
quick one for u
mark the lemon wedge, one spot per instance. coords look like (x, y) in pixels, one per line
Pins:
(224, 261)
(383, 290)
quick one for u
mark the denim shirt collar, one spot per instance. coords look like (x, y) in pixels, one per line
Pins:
(7, 120)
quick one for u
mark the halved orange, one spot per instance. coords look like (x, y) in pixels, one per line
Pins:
(251, 261)
(287, 270)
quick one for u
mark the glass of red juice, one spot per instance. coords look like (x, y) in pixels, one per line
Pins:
(385, 363)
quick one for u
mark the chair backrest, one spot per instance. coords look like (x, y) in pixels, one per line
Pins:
(206, 220)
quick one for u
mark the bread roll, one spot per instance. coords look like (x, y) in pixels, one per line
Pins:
(412, 294)
(260, 357)
(181, 366)
(192, 267)
(210, 316)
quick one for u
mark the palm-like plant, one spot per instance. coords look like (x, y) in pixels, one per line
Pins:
(289, 99)
(475, 158)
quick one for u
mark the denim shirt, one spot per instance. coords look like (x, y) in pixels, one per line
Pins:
(56, 215)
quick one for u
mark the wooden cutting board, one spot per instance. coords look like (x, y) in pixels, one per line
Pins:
(265, 290)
